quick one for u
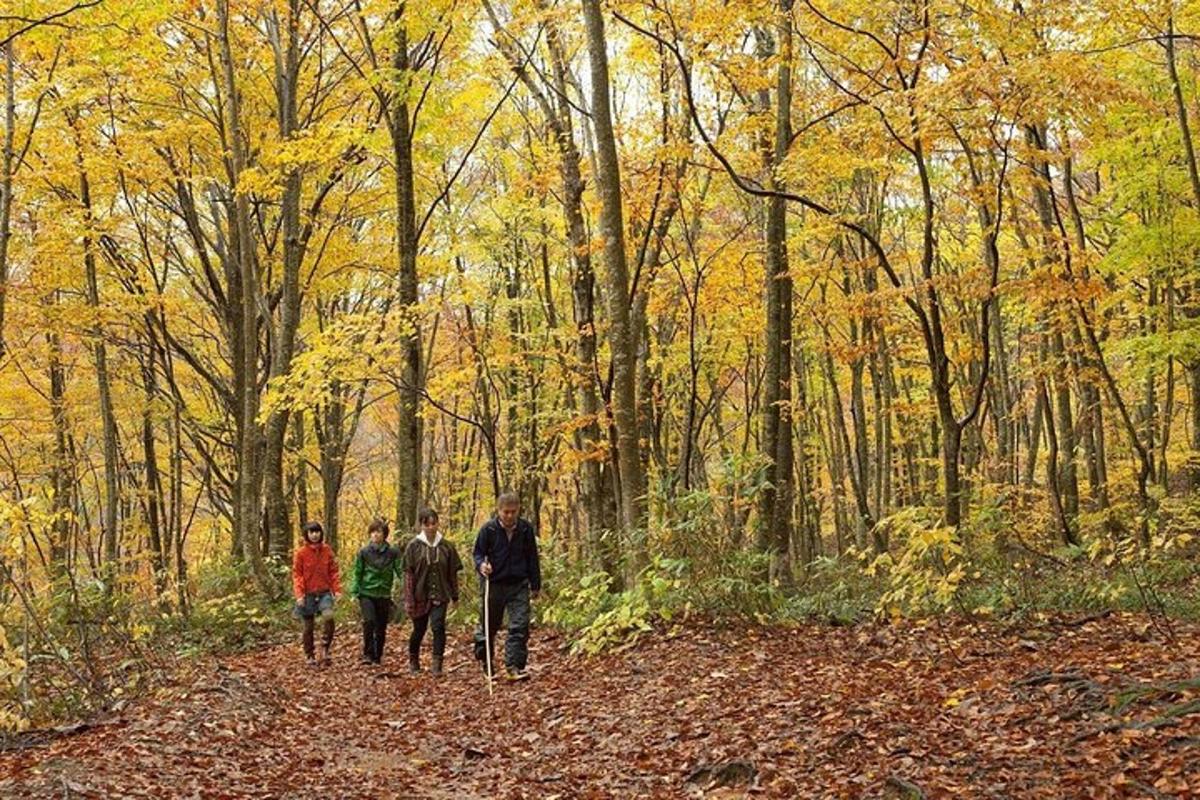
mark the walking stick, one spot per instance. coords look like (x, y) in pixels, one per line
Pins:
(487, 637)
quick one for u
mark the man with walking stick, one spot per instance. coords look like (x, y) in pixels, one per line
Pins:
(506, 558)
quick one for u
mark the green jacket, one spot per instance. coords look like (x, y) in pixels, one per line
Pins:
(374, 570)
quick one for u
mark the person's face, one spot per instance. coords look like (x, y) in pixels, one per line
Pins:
(377, 537)
(430, 526)
(313, 537)
(508, 514)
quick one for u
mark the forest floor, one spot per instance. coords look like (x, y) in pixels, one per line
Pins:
(1067, 708)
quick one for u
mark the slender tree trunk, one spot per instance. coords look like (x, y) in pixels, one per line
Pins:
(1035, 440)
(300, 465)
(155, 499)
(599, 500)
(248, 517)
(864, 520)
(1053, 472)
(1189, 149)
(108, 418)
(809, 509)
(860, 460)
(61, 474)
(408, 435)
(835, 459)
(621, 335)
(283, 339)
(8, 163)
(777, 446)
(1089, 392)
(1068, 481)
(1001, 402)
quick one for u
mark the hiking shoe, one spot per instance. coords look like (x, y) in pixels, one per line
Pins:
(311, 662)
(514, 674)
(414, 664)
(326, 658)
(436, 669)
(367, 661)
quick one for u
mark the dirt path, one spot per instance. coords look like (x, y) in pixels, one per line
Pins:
(1110, 708)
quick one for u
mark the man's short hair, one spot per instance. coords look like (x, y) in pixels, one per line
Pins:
(427, 515)
(378, 524)
(507, 499)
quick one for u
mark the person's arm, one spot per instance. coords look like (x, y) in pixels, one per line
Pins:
(456, 566)
(480, 552)
(535, 564)
(334, 578)
(360, 564)
(409, 579)
(405, 574)
(298, 576)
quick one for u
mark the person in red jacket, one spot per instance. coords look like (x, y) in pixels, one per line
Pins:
(315, 584)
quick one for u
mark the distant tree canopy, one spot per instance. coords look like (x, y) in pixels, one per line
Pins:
(769, 277)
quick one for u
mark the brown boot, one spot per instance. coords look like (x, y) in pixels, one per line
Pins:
(437, 667)
(327, 644)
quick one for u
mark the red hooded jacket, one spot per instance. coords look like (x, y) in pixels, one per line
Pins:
(314, 569)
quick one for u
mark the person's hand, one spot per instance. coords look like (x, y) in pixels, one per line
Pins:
(485, 569)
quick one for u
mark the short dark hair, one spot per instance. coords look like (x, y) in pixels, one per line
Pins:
(378, 524)
(313, 526)
(508, 499)
(427, 515)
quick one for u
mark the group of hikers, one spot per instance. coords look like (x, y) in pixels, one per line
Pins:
(506, 560)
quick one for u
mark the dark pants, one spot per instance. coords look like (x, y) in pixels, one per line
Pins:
(436, 618)
(376, 611)
(309, 635)
(512, 598)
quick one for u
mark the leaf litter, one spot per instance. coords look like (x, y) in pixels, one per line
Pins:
(1107, 708)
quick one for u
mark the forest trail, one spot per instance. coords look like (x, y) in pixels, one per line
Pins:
(1108, 707)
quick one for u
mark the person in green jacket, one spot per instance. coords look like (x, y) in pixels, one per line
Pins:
(375, 567)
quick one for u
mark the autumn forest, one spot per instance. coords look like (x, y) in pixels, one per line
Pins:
(767, 309)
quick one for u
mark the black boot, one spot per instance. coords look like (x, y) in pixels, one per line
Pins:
(414, 662)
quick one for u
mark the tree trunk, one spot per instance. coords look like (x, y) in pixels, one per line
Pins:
(621, 335)
(778, 496)
(283, 339)
(62, 479)
(155, 500)
(300, 465)
(807, 505)
(599, 500)
(1068, 480)
(1089, 393)
(108, 419)
(1189, 149)
(408, 434)
(247, 518)
(8, 162)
